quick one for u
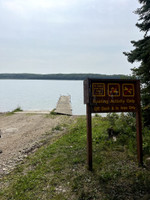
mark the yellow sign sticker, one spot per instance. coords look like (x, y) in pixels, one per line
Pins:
(128, 90)
(98, 89)
(114, 89)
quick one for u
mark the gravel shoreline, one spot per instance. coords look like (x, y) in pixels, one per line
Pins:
(22, 134)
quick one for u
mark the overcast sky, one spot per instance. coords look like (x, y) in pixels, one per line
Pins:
(67, 36)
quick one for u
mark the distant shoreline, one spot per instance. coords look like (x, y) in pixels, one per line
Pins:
(25, 76)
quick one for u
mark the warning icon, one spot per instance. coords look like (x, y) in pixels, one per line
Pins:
(113, 89)
(128, 90)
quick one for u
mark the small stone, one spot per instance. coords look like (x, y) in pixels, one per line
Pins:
(114, 139)
(88, 180)
(1, 151)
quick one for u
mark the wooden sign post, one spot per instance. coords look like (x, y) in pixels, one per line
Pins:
(112, 95)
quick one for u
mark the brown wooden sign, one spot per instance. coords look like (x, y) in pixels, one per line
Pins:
(112, 95)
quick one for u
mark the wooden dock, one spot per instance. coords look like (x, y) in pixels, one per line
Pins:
(64, 106)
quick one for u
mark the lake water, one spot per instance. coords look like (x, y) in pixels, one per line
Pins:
(40, 94)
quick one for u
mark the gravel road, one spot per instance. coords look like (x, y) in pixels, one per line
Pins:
(22, 134)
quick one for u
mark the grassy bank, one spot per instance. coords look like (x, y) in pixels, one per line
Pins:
(58, 171)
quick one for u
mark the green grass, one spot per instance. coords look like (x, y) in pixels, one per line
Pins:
(53, 112)
(57, 128)
(18, 109)
(59, 170)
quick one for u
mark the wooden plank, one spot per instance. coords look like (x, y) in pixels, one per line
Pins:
(64, 106)
(89, 136)
(139, 128)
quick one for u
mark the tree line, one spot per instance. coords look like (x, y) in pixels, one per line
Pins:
(61, 76)
(141, 54)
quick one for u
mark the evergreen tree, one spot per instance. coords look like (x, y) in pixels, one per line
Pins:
(141, 53)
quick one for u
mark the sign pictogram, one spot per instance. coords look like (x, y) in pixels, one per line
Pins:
(98, 89)
(113, 89)
(128, 90)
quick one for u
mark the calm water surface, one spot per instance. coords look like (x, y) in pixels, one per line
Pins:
(40, 94)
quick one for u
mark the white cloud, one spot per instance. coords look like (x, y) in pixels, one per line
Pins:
(26, 5)
(81, 33)
(50, 10)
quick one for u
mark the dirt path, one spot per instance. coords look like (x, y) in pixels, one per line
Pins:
(23, 133)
